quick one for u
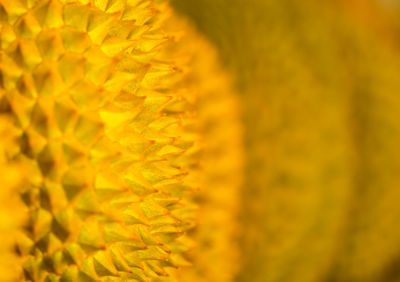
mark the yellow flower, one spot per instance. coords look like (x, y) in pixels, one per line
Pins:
(118, 117)
(321, 105)
(11, 208)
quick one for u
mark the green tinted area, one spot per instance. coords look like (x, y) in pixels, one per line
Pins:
(321, 104)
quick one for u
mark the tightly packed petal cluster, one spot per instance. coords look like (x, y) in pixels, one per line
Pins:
(112, 112)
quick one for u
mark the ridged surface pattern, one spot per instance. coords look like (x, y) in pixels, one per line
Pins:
(112, 136)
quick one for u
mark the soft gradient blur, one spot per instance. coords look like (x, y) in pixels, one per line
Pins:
(320, 89)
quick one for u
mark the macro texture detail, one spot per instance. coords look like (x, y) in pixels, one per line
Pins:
(112, 115)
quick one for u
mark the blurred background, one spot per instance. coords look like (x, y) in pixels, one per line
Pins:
(320, 91)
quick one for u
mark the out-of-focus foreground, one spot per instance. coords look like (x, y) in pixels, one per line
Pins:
(321, 97)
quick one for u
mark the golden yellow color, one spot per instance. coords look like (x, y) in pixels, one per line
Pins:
(11, 208)
(320, 83)
(118, 119)
(216, 255)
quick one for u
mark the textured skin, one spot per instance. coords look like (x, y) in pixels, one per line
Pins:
(107, 102)
(216, 257)
(11, 208)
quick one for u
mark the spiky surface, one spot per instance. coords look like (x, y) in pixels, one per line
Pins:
(215, 257)
(108, 134)
(11, 208)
